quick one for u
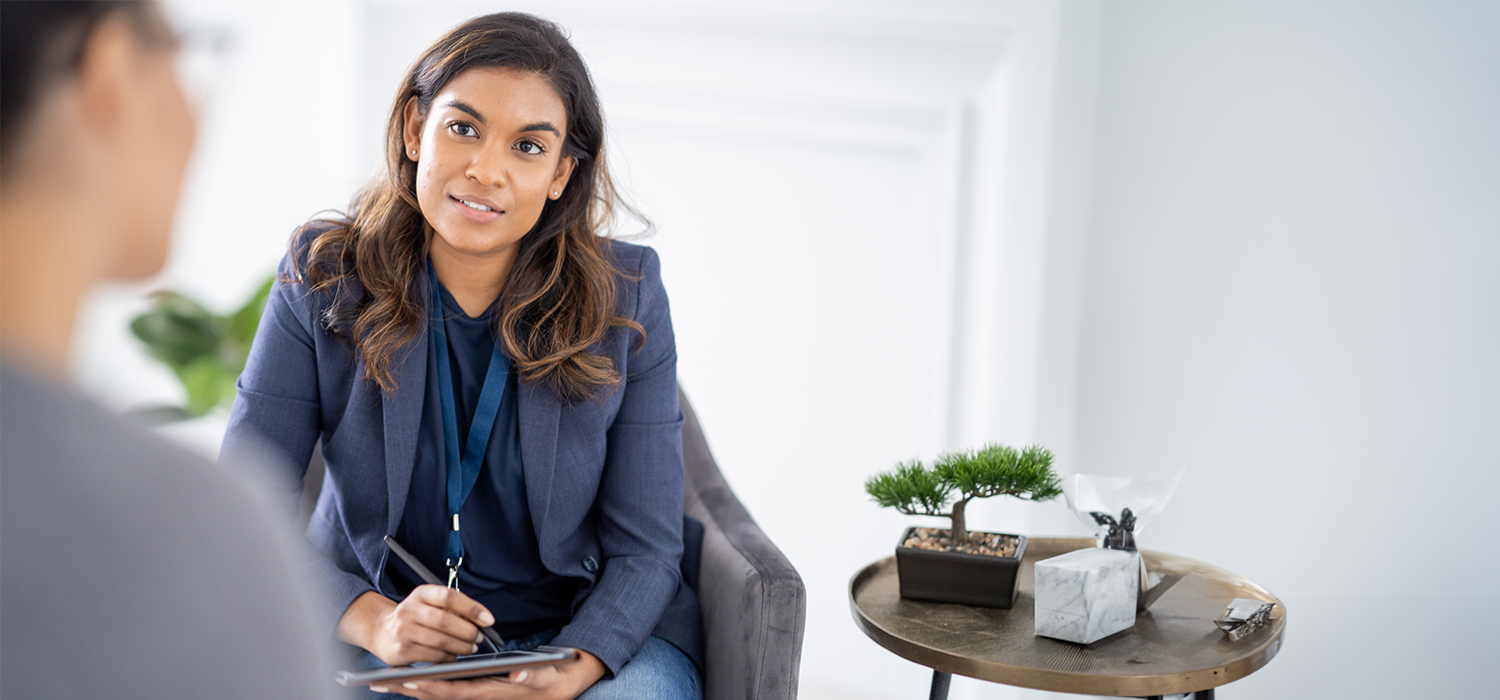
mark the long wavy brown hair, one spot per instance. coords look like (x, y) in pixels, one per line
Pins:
(560, 298)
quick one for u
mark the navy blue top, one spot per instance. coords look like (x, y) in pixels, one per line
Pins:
(502, 566)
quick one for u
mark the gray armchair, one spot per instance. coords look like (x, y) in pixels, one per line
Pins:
(753, 602)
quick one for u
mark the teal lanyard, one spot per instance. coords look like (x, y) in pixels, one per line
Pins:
(463, 469)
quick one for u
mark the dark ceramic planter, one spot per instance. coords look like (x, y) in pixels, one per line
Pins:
(959, 577)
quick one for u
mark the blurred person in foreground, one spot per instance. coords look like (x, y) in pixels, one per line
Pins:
(128, 568)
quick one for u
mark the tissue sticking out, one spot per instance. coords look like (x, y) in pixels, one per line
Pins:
(1245, 615)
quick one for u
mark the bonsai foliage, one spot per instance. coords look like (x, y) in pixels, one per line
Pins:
(959, 477)
(206, 351)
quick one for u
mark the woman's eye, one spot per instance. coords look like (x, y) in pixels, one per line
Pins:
(463, 129)
(530, 148)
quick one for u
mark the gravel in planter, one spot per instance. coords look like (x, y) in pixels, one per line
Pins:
(979, 542)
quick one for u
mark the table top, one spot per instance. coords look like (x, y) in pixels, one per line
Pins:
(1174, 646)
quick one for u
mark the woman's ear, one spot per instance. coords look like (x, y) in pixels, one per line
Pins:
(104, 75)
(560, 179)
(411, 129)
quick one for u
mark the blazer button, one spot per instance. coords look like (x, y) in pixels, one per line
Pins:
(590, 564)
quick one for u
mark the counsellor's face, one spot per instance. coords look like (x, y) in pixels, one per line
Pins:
(489, 156)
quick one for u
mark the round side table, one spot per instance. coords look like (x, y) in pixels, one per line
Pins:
(1174, 646)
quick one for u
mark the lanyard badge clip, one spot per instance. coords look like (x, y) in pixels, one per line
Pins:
(453, 572)
(454, 563)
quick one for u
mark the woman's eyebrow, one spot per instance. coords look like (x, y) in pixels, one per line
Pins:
(464, 107)
(541, 126)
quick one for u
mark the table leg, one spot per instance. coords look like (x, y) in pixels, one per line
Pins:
(1199, 695)
(940, 683)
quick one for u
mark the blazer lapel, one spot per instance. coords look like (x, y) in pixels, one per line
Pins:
(539, 414)
(403, 416)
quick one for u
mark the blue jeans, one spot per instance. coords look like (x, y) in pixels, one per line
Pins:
(659, 671)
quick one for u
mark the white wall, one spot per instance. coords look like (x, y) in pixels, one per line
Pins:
(1290, 289)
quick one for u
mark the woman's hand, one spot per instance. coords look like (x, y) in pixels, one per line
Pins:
(563, 682)
(432, 624)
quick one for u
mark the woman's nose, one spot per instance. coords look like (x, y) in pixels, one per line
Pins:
(487, 168)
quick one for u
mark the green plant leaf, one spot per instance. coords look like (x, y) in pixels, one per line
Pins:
(207, 351)
(997, 470)
(177, 330)
(910, 488)
(208, 384)
(244, 322)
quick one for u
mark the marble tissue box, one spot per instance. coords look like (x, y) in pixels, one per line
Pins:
(1086, 595)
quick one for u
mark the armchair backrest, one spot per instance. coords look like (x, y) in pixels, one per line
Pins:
(754, 604)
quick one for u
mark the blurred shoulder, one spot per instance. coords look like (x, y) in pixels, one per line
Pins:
(89, 453)
(109, 528)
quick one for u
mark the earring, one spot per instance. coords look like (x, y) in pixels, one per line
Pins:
(414, 154)
(555, 195)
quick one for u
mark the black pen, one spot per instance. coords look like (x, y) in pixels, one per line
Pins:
(490, 635)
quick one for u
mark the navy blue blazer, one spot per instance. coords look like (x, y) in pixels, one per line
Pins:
(603, 476)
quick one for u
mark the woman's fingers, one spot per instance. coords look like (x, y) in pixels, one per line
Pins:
(411, 690)
(477, 689)
(455, 601)
(537, 677)
(421, 629)
(421, 641)
(432, 624)
(446, 622)
(524, 684)
(447, 613)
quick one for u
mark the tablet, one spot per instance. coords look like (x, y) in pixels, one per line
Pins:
(473, 666)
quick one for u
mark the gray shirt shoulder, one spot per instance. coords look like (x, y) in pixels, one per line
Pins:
(131, 568)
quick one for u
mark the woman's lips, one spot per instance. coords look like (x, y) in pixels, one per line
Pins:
(479, 210)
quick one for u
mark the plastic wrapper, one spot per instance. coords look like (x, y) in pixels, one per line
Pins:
(1119, 509)
(1111, 495)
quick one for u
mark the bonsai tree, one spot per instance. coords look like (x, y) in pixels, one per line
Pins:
(959, 477)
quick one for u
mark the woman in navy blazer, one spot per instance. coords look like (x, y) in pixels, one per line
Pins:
(496, 185)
